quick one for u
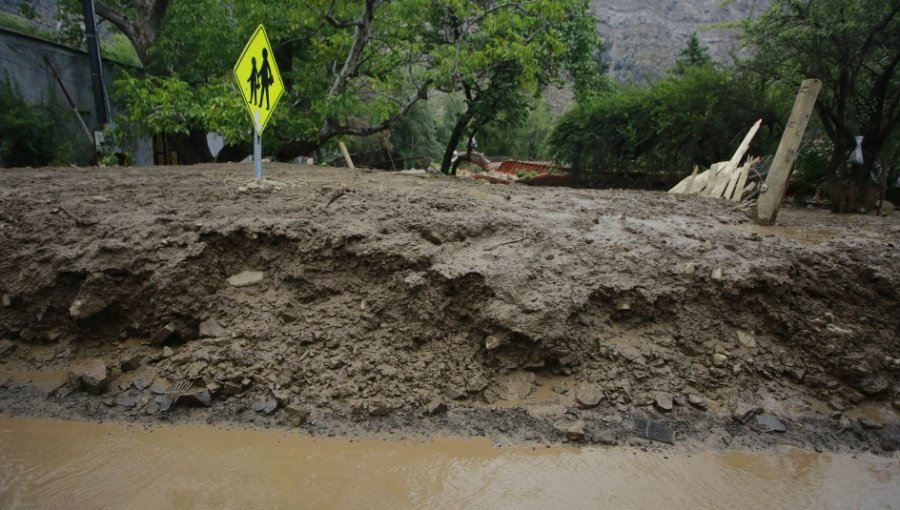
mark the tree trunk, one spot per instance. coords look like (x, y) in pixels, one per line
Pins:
(461, 124)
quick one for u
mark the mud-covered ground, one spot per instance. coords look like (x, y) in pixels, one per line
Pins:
(356, 302)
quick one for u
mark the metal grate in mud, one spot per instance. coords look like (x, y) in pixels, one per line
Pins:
(172, 393)
(653, 430)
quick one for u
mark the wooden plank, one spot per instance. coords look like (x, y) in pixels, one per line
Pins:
(710, 180)
(693, 178)
(722, 181)
(772, 192)
(346, 154)
(738, 156)
(742, 180)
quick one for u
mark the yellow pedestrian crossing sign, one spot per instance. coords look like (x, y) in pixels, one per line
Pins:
(258, 78)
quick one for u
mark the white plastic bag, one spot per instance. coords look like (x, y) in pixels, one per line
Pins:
(856, 157)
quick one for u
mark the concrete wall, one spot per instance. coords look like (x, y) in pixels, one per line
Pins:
(24, 59)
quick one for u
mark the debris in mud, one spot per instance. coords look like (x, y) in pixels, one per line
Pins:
(573, 431)
(359, 314)
(90, 375)
(769, 423)
(267, 406)
(744, 411)
(653, 430)
(246, 278)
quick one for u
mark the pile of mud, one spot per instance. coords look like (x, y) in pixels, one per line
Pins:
(344, 301)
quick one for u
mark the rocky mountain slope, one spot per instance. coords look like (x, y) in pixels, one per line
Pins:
(644, 36)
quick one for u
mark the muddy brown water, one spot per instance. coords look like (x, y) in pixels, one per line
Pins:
(57, 464)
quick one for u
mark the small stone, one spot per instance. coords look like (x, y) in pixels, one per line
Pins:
(716, 274)
(746, 339)
(265, 406)
(160, 386)
(91, 376)
(131, 363)
(870, 423)
(282, 397)
(6, 347)
(491, 342)
(196, 398)
(126, 401)
(744, 411)
(167, 352)
(379, 410)
(697, 401)
(151, 409)
(387, 370)
(298, 415)
(142, 382)
(604, 437)
(6, 300)
(663, 401)
(719, 360)
(432, 237)
(435, 407)
(246, 278)
(769, 423)
(589, 396)
(573, 432)
(165, 334)
(210, 328)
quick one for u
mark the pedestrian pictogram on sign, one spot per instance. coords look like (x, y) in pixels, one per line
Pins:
(258, 78)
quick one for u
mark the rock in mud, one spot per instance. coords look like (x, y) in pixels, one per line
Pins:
(589, 396)
(93, 297)
(210, 328)
(697, 401)
(265, 406)
(746, 339)
(573, 432)
(6, 347)
(663, 401)
(282, 397)
(167, 333)
(297, 414)
(432, 237)
(604, 437)
(492, 342)
(379, 409)
(873, 385)
(246, 278)
(160, 386)
(126, 401)
(91, 376)
(167, 352)
(719, 360)
(6, 301)
(435, 407)
(769, 423)
(131, 363)
(197, 397)
(744, 411)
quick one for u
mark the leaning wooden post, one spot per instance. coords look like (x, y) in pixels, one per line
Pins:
(773, 190)
(346, 155)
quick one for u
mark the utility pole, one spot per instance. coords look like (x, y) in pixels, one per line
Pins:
(101, 101)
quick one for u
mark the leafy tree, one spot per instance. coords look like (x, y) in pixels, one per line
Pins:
(851, 45)
(692, 55)
(500, 55)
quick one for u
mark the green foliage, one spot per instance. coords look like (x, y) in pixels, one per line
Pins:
(31, 135)
(117, 47)
(695, 118)
(525, 139)
(691, 56)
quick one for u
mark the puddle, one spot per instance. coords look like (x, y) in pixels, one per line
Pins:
(55, 464)
(46, 380)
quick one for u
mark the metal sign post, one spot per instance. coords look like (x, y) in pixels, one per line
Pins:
(259, 80)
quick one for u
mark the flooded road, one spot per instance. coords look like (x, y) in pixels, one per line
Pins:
(55, 464)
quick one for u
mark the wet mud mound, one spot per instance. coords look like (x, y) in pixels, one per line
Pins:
(356, 301)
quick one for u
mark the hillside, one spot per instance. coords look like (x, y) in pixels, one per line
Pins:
(643, 37)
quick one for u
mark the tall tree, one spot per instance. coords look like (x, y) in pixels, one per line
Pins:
(692, 55)
(851, 45)
(139, 20)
